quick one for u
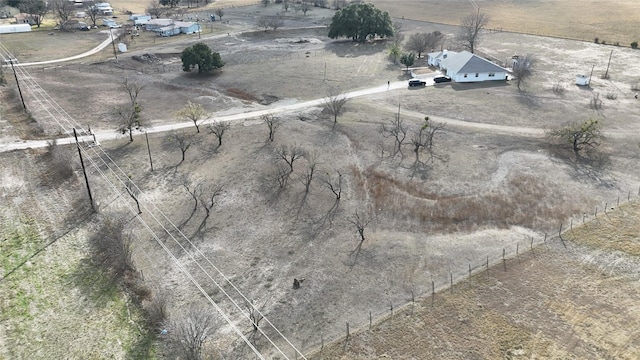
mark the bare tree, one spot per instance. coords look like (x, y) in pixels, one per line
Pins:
(307, 178)
(262, 22)
(37, 9)
(360, 222)
(334, 184)
(424, 42)
(286, 4)
(471, 29)
(423, 138)
(155, 9)
(208, 196)
(289, 153)
(93, 12)
(220, 12)
(583, 137)
(334, 103)
(255, 316)
(218, 129)
(398, 131)
(304, 6)
(63, 10)
(265, 3)
(133, 191)
(189, 330)
(181, 141)
(130, 113)
(275, 22)
(273, 123)
(398, 35)
(195, 190)
(194, 112)
(522, 68)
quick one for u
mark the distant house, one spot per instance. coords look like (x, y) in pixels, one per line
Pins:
(104, 8)
(140, 19)
(170, 27)
(466, 67)
(24, 18)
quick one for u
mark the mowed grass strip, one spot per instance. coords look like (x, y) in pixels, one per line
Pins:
(59, 306)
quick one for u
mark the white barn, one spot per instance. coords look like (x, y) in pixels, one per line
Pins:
(467, 67)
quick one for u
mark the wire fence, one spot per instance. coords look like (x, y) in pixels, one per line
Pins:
(503, 261)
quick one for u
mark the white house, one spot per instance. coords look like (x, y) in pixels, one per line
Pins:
(169, 27)
(467, 67)
(434, 58)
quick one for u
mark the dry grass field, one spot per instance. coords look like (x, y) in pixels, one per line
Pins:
(486, 192)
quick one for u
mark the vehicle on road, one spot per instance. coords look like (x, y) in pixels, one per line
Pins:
(441, 79)
(416, 82)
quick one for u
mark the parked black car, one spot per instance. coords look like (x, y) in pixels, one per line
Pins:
(441, 79)
(416, 82)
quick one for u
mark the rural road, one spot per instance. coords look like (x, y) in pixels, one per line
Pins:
(394, 86)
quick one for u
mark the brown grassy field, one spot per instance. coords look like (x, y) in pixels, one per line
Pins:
(573, 19)
(488, 192)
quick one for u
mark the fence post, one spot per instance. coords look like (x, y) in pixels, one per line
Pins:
(451, 277)
(618, 204)
(596, 213)
(504, 261)
(487, 265)
(545, 237)
(605, 207)
(571, 225)
(629, 195)
(391, 307)
(370, 320)
(469, 271)
(518, 251)
(433, 292)
(347, 330)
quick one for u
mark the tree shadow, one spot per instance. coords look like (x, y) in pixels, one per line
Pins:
(589, 166)
(527, 99)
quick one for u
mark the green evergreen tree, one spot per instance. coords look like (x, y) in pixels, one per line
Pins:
(359, 22)
(200, 55)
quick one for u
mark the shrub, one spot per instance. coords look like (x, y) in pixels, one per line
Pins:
(558, 88)
(617, 43)
(634, 45)
(604, 42)
(612, 95)
(596, 40)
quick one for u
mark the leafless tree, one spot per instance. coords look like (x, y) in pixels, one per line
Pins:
(275, 22)
(208, 196)
(265, 3)
(423, 42)
(63, 10)
(218, 129)
(220, 12)
(156, 310)
(286, 4)
(335, 103)
(273, 123)
(194, 112)
(361, 222)
(582, 137)
(189, 330)
(263, 22)
(307, 177)
(398, 35)
(304, 6)
(133, 191)
(398, 131)
(194, 190)
(181, 141)
(93, 12)
(522, 68)
(471, 29)
(255, 315)
(155, 9)
(130, 114)
(334, 184)
(423, 138)
(289, 153)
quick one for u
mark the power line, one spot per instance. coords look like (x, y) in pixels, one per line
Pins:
(42, 97)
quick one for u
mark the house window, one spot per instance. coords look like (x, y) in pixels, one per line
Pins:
(477, 74)
(492, 74)
(465, 75)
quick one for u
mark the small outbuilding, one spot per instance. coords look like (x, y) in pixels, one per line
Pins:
(582, 80)
(14, 28)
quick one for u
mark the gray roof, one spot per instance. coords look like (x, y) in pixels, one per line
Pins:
(438, 54)
(466, 62)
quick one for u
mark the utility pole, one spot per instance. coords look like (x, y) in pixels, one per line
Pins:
(84, 171)
(17, 83)
(149, 149)
(113, 44)
(606, 74)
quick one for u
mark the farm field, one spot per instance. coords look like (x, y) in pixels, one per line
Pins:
(486, 191)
